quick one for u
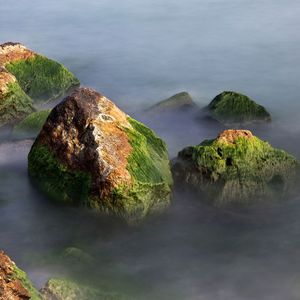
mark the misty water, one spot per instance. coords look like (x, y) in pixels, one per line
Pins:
(138, 53)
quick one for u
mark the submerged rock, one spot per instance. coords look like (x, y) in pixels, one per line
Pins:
(32, 124)
(14, 283)
(26, 78)
(76, 255)
(231, 107)
(65, 289)
(91, 153)
(236, 167)
(179, 102)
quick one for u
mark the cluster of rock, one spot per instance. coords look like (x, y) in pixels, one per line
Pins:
(28, 79)
(15, 285)
(90, 153)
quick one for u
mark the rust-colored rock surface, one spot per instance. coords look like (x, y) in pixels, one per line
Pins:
(10, 52)
(11, 288)
(231, 135)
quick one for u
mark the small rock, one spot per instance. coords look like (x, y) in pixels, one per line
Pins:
(236, 167)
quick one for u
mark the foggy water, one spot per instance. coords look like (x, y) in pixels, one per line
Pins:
(137, 53)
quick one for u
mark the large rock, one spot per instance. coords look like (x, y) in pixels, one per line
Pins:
(231, 107)
(91, 153)
(65, 289)
(26, 78)
(14, 283)
(177, 103)
(236, 167)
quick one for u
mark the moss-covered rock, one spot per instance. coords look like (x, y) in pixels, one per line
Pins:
(32, 124)
(231, 107)
(91, 153)
(14, 283)
(236, 167)
(14, 103)
(178, 102)
(66, 289)
(41, 78)
(26, 78)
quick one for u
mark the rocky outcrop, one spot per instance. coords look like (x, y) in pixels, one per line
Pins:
(14, 283)
(235, 168)
(27, 78)
(91, 153)
(65, 289)
(177, 103)
(30, 126)
(235, 108)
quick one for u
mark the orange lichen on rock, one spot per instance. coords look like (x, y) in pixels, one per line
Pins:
(10, 52)
(90, 131)
(11, 288)
(5, 79)
(231, 135)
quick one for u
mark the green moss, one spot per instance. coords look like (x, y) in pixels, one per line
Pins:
(148, 162)
(63, 289)
(55, 179)
(21, 275)
(249, 168)
(41, 78)
(232, 107)
(32, 124)
(149, 167)
(14, 105)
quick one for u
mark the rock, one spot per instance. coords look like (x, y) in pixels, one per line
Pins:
(32, 124)
(179, 102)
(26, 78)
(236, 167)
(14, 283)
(235, 108)
(65, 289)
(14, 103)
(41, 78)
(75, 255)
(91, 153)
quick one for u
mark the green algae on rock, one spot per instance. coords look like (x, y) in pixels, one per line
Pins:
(28, 78)
(14, 283)
(231, 107)
(41, 78)
(32, 124)
(91, 153)
(178, 102)
(14, 103)
(235, 168)
(66, 289)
